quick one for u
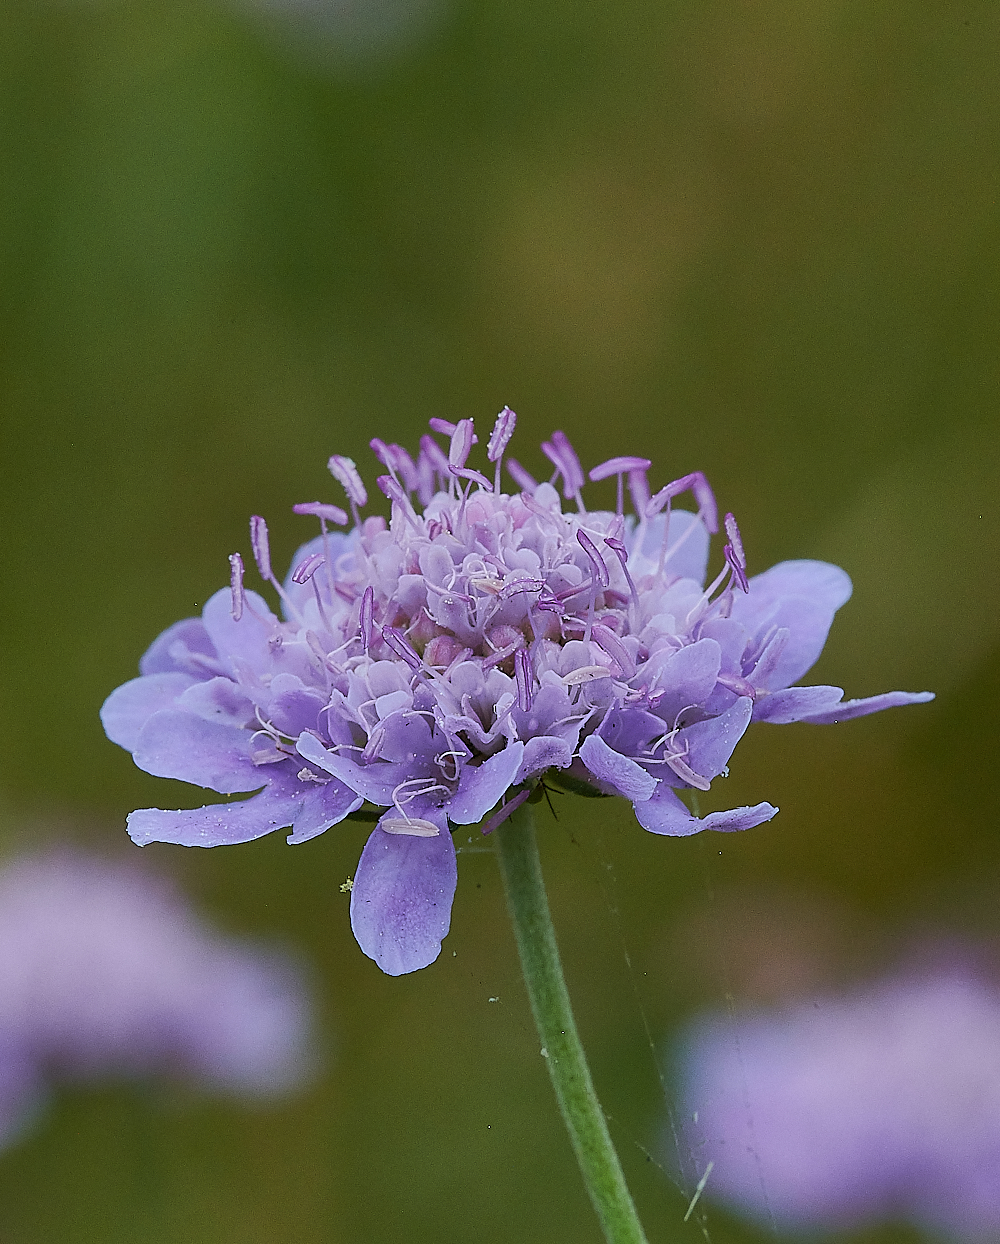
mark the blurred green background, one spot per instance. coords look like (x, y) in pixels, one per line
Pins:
(759, 239)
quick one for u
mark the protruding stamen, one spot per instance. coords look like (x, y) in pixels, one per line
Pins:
(563, 457)
(613, 646)
(346, 474)
(620, 467)
(462, 440)
(394, 490)
(498, 818)
(367, 614)
(261, 547)
(442, 426)
(503, 430)
(401, 646)
(522, 478)
(320, 509)
(236, 584)
(522, 675)
(476, 476)
(597, 561)
(703, 495)
(638, 486)
(734, 554)
(621, 552)
(305, 570)
(435, 455)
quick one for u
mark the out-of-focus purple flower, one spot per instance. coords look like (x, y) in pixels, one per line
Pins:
(106, 972)
(844, 1111)
(473, 644)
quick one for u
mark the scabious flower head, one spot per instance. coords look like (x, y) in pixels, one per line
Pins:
(883, 1104)
(438, 664)
(106, 972)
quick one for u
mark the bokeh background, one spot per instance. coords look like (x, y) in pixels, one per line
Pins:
(759, 239)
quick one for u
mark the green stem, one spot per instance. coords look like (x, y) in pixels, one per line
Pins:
(521, 870)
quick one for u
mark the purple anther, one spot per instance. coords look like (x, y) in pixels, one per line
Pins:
(261, 548)
(733, 532)
(346, 474)
(706, 501)
(401, 646)
(405, 466)
(435, 454)
(522, 675)
(503, 430)
(236, 583)
(550, 605)
(367, 614)
(638, 486)
(305, 570)
(475, 476)
(619, 466)
(320, 509)
(462, 440)
(621, 552)
(522, 478)
(392, 488)
(613, 646)
(498, 818)
(381, 451)
(563, 457)
(699, 485)
(600, 566)
(442, 426)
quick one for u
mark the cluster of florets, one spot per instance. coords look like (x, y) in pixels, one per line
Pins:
(440, 665)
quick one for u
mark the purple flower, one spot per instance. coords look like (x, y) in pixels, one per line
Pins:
(842, 1111)
(105, 971)
(473, 644)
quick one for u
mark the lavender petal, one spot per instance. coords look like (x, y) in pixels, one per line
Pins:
(544, 751)
(665, 814)
(873, 704)
(130, 706)
(179, 745)
(480, 787)
(802, 596)
(710, 743)
(402, 895)
(178, 648)
(609, 766)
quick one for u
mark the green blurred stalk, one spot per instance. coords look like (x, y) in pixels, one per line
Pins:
(528, 905)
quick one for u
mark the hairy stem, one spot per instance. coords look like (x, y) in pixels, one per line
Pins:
(521, 870)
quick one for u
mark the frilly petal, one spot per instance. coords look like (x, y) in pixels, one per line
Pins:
(607, 765)
(402, 895)
(665, 814)
(873, 704)
(306, 806)
(179, 745)
(794, 703)
(374, 782)
(710, 743)
(130, 706)
(802, 596)
(184, 648)
(480, 787)
(544, 751)
(691, 557)
(248, 640)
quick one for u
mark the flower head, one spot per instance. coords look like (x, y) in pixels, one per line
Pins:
(106, 972)
(844, 1111)
(477, 641)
